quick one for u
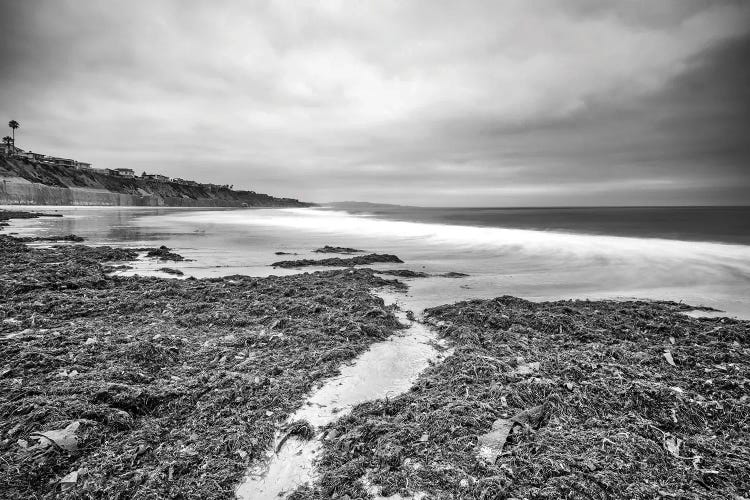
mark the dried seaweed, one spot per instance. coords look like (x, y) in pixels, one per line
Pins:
(605, 415)
(176, 385)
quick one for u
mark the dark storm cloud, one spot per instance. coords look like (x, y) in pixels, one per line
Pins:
(460, 103)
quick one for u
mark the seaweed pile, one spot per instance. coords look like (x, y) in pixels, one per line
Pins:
(408, 273)
(372, 258)
(330, 249)
(6, 215)
(171, 270)
(568, 399)
(68, 237)
(124, 387)
(163, 253)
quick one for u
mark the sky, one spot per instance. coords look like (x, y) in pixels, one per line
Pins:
(432, 102)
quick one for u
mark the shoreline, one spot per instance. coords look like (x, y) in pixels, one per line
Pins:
(178, 386)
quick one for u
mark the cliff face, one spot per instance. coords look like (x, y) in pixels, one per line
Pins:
(25, 182)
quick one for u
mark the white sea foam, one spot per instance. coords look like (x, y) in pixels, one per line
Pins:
(557, 245)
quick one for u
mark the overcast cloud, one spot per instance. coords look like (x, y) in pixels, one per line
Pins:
(502, 103)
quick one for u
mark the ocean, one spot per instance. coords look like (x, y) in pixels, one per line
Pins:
(697, 255)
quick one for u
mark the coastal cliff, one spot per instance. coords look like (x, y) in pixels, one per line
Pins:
(27, 182)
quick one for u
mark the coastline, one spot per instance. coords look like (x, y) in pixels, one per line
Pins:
(178, 386)
(25, 181)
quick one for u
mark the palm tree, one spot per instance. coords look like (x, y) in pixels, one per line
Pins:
(14, 125)
(8, 141)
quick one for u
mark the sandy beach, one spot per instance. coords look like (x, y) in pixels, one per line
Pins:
(123, 386)
(371, 250)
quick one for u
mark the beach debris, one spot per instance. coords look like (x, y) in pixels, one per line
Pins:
(344, 250)
(523, 368)
(490, 445)
(533, 417)
(301, 429)
(669, 358)
(69, 481)
(63, 439)
(672, 444)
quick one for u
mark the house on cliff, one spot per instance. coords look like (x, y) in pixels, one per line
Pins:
(155, 177)
(36, 156)
(184, 182)
(124, 172)
(60, 162)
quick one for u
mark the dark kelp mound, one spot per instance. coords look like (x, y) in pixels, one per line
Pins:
(68, 237)
(163, 253)
(330, 249)
(18, 214)
(408, 273)
(6, 215)
(160, 388)
(61, 267)
(359, 260)
(559, 400)
(404, 273)
(170, 270)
